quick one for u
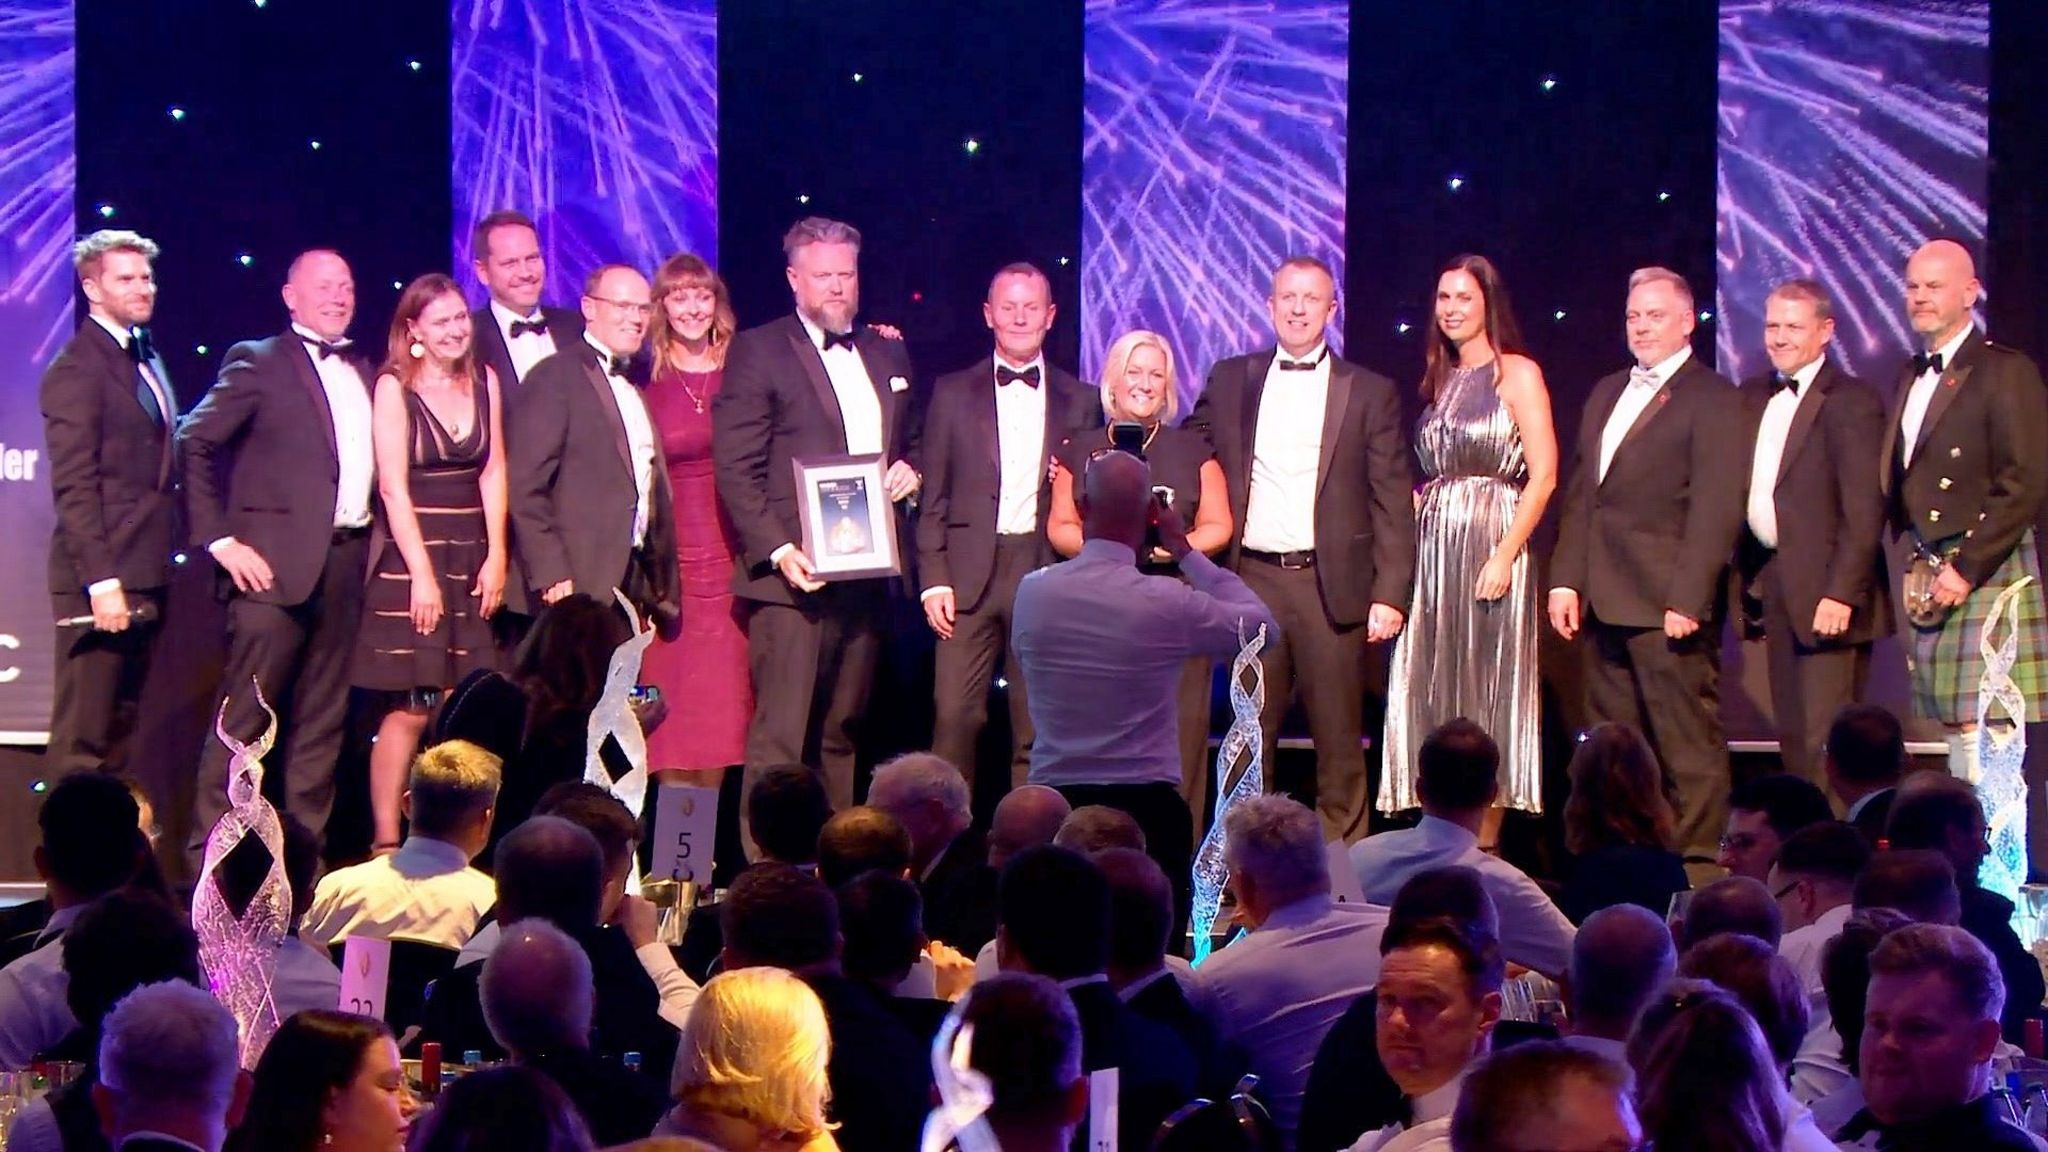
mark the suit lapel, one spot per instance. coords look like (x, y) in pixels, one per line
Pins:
(1804, 418)
(1599, 410)
(166, 398)
(988, 424)
(301, 357)
(1336, 407)
(813, 362)
(1953, 377)
(1650, 412)
(878, 379)
(607, 403)
(1900, 394)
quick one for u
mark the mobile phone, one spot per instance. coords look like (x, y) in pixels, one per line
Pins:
(1128, 436)
(644, 693)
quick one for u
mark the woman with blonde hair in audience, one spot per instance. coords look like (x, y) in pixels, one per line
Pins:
(750, 1075)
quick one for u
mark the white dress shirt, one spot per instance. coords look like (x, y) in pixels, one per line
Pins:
(424, 891)
(531, 347)
(348, 405)
(1287, 450)
(1021, 447)
(1801, 947)
(1276, 991)
(1634, 398)
(1533, 933)
(1921, 393)
(1429, 1127)
(1818, 1069)
(640, 442)
(33, 1013)
(860, 409)
(167, 413)
(1770, 452)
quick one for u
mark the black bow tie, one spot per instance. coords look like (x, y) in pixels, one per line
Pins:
(1007, 375)
(620, 366)
(1925, 362)
(1780, 382)
(838, 340)
(322, 349)
(1302, 365)
(527, 328)
(141, 348)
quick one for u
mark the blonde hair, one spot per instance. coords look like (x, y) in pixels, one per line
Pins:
(1118, 361)
(755, 1049)
(451, 782)
(685, 271)
(91, 251)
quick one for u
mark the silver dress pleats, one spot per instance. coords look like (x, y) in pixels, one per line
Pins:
(1458, 655)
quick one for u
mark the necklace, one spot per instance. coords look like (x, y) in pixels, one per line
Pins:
(696, 401)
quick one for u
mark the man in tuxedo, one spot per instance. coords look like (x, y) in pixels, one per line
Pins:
(1321, 500)
(278, 474)
(590, 498)
(988, 437)
(108, 416)
(1813, 569)
(1963, 480)
(1650, 517)
(518, 331)
(808, 385)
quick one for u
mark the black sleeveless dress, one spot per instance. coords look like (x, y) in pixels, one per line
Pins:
(448, 500)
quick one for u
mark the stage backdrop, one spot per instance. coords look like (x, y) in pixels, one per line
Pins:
(38, 171)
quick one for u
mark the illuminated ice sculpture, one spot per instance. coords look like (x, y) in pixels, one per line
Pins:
(2001, 750)
(1244, 742)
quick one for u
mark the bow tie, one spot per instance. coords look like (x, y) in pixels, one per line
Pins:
(1781, 382)
(1287, 365)
(838, 340)
(1640, 377)
(1007, 375)
(1925, 362)
(322, 349)
(528, 328)
(141, 348)
(616, 365)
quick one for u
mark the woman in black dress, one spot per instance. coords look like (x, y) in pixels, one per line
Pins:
(1139, 387)
(1618, 827)
(439, 571)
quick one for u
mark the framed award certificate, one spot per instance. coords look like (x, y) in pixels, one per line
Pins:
(849, 522)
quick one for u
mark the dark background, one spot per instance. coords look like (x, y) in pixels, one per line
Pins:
(1561, 190)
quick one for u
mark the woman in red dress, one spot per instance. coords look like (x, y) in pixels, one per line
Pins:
(702, 673)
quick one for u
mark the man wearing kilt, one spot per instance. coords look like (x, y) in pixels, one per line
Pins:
(1965, 469)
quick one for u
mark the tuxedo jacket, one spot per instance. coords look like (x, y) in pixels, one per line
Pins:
(1659, 531)
(776, 405)
(573, 492)
(565, 326)
(1365, 483)
(956, 518)
(1830, 512)
(113, 478)
(260, 461)
(1979, 468)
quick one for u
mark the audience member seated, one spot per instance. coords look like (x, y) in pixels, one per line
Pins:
(1093, 828)
(1920, 884)
(786, 810)
(551, 868)
(1275, 991)
(91, 845)
(1762, 980)
(948, 858)
(1621, 960)
(752, 1072)
(1814, 882)
(1705, 1078)
(538, 999)
(1764, 812)
(170, 1074)
(327, 1082)
(1619, 823)
(124, 940)
(1140, 921)
(1733, 904)
(1458, 780)
(306, 976)
(22, 924)
(1866, 759)
(1930, 1024)
(879, 1072)
(882, 929)
(1027, 816)
(1027, 1042)
(1438, 1000)
(1942, 814)
(861, 839)
(1054, 921)
(508, 1109)
(427, 890)
(1845, 973)
(1546, 1097)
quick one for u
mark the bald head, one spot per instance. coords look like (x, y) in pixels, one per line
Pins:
(536, 990)
(1941, 288)
(1026, 817)
(1115, 499)
(1621, 957)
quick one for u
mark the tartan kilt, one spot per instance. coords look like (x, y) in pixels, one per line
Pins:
(1947, 663)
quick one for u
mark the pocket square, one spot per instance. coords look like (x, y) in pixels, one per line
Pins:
(898, 384)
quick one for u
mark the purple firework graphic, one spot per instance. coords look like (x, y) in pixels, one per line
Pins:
(599, 118)
(1213, 148)
(1851, 131)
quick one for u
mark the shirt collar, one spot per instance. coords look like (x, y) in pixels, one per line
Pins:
(816, 333)
(1863, 802)
(1948, 351)
(1084, 981)
(1831, 922)
(121, 335)
(312, 337)
(158, 1137)
(1108, 551)
(1130, 991)
(1439, 1102)
(60, 920)
(1668, 367)
(1804, 377)
(604, 354)
(1318, 356)
(439, 855)
(1038, 362)
(1302, 911)
(1441, 831)
(505, 316)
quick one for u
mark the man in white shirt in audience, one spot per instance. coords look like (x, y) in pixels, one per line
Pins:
(1458, 780)
(1275, 991)
(1622, 958)
(426, 890)
(1439, 998)
(1814, 880)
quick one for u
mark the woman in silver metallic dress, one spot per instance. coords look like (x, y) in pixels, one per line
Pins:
(1490, 455)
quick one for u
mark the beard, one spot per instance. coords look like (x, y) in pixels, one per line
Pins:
(834, 316)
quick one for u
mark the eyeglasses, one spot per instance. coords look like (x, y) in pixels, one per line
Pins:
(1787, 890)
(630, 307)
